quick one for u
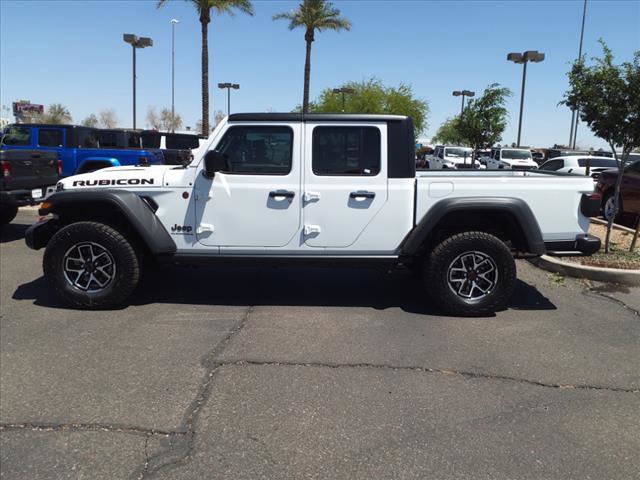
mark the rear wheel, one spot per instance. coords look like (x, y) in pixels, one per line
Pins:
(608, 207)
(7, 213)
(470, 274)
(91, 265)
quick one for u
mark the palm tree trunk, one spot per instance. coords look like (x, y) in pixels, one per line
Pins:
(205, 79)
(307, 75)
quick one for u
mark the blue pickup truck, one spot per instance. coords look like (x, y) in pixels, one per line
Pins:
(78, 147)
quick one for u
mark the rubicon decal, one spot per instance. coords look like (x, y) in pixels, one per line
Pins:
(113, 181)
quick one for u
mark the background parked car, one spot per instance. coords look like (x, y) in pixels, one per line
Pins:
(452, 157)
(629, 193)
(177, 148)
(78, 147)
(27, 178)
(578, 165)
(510, 158)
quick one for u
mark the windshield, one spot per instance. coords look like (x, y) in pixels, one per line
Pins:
(516, 154)
(457, 152)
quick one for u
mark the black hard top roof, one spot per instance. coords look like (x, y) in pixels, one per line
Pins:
(313, 117)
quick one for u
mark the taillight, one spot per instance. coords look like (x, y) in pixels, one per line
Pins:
(595, 196)
(59, 167)
(6, 169)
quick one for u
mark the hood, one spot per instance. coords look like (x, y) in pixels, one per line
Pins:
(117, 177)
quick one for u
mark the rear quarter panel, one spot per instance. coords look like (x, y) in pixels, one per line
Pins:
(554, 200)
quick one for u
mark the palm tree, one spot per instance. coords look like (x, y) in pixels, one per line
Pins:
(204, 7)
(313, 15)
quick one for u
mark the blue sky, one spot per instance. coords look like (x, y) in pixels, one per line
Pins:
(72, 52)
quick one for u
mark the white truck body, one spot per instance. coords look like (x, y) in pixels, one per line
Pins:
(232, 213)
(510, 158)
(329, 188)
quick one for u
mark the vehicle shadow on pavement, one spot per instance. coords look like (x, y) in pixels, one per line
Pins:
(12, 232)
(286, 286)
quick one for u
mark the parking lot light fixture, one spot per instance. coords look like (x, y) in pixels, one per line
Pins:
(463, 94)
(343, 91)
(229, 86)
(173, 71)
(136, 42)
(524, 58)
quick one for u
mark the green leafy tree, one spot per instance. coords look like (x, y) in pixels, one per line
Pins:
(371, 96)
(56, 114)
(90, 121)
(608, 99)
(449, 132)
(485, 118)
(204, 8)
(313, 15)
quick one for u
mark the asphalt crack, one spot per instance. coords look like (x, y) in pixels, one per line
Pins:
(595, 293)
(442, 371)
(179, 449)
(86, 427)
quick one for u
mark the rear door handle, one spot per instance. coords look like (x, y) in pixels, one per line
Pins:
(281, 193)
(362, 194)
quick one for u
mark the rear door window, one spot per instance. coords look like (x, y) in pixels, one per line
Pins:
(17, 136)
(50, 137)
(597, 162)
(346, 151)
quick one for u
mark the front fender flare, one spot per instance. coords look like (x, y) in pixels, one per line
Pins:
(141, 218)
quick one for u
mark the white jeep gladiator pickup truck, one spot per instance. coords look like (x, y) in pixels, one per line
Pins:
(318, 188)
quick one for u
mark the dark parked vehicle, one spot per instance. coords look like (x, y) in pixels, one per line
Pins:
(629, 192)
(176, 147)
(28, 176)
(78, 147)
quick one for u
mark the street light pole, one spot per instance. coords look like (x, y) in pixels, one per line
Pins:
(173, 71)
(342, 91)
(229, 86)
(574, 114)
(136, 42)
(463, 94)
(524, 58)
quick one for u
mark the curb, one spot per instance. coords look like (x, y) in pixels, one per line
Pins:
(615, 225)
(613, 275)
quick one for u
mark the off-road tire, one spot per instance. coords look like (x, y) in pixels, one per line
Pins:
(8, 212)
(437, 269)
(127, 266)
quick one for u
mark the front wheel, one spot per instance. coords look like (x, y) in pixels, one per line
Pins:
(470, 274)
(91, 265)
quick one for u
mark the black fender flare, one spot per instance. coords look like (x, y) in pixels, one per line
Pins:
(516, 207)
(135, 210)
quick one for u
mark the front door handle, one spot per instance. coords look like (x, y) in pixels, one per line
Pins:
(281, 193)
(362, 194)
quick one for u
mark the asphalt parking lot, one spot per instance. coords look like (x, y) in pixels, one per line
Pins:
(295, 373)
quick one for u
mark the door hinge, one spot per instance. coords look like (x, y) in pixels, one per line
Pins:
(204, 227)
(202, 197)
(311, 196)
(312, 229)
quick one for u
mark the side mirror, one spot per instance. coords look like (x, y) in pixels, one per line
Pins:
(214, 162)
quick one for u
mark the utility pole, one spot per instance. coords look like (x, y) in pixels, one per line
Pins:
(524, 58)
(574, 114)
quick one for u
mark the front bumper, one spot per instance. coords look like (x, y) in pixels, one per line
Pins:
(39, 234)
(584, 244)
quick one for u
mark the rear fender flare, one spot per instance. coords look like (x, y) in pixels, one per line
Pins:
(516, 207)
